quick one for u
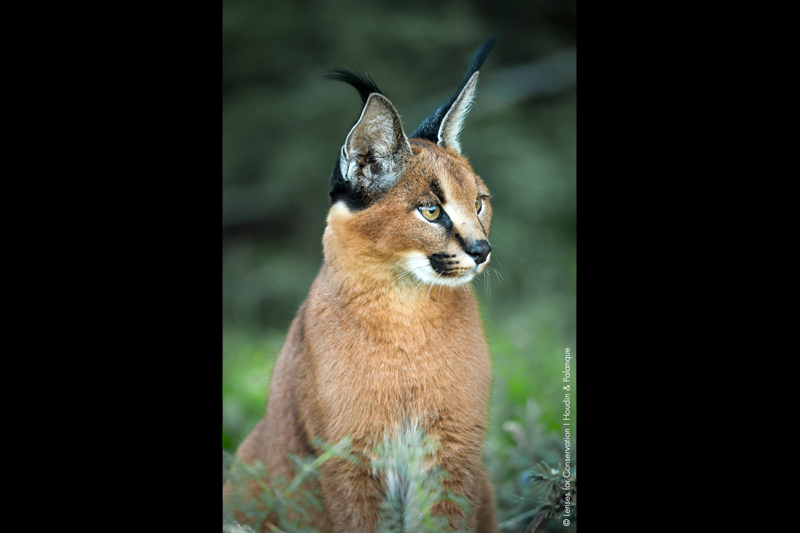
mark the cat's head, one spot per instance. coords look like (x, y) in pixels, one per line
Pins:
(409, 209)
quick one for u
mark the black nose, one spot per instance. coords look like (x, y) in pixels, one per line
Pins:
(479, 251)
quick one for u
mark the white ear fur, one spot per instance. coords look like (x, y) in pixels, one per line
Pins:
(453, 121)
(376, 148)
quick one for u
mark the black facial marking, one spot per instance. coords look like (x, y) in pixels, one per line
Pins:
(442, 265)
(439, 263)
(436, 189)
(445, 221)
(460, 240)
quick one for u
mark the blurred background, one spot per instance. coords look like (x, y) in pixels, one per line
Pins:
(283, 126)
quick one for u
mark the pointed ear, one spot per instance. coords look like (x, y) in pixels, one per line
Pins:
(453, 121)
(376, 149)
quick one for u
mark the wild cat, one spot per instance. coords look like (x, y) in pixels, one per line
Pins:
(389, 339)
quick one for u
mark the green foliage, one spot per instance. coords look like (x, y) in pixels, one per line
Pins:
(247, 361)
(420, 486)
(291, 502)
(527, 472)
(524, 460)
(414, 485)
(549, 485)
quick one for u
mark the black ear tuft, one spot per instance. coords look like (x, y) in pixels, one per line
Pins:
(363, 84)
(429, 129)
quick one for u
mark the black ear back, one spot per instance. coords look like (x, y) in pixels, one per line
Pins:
(429, 129)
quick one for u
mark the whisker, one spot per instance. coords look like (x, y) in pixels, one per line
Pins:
(421, 281)
(403, 274)
(500, 278)
(407, 272)
(431, 287)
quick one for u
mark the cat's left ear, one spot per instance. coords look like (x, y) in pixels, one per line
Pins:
(453, 121)
(376, 149)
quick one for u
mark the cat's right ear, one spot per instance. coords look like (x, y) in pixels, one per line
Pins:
(376, 150)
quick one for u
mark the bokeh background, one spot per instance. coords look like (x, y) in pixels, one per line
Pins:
(283, 126)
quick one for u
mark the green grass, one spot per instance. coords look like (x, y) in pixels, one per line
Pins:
(247, 361)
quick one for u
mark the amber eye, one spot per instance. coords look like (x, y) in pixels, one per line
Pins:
(430, 212)
(478, 205)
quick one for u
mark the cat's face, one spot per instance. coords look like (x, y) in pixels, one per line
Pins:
(432, 227)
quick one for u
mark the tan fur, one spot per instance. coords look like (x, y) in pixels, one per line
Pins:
(374, 348)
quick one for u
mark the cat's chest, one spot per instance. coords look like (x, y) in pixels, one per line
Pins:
(376, 362)
(371, 387)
